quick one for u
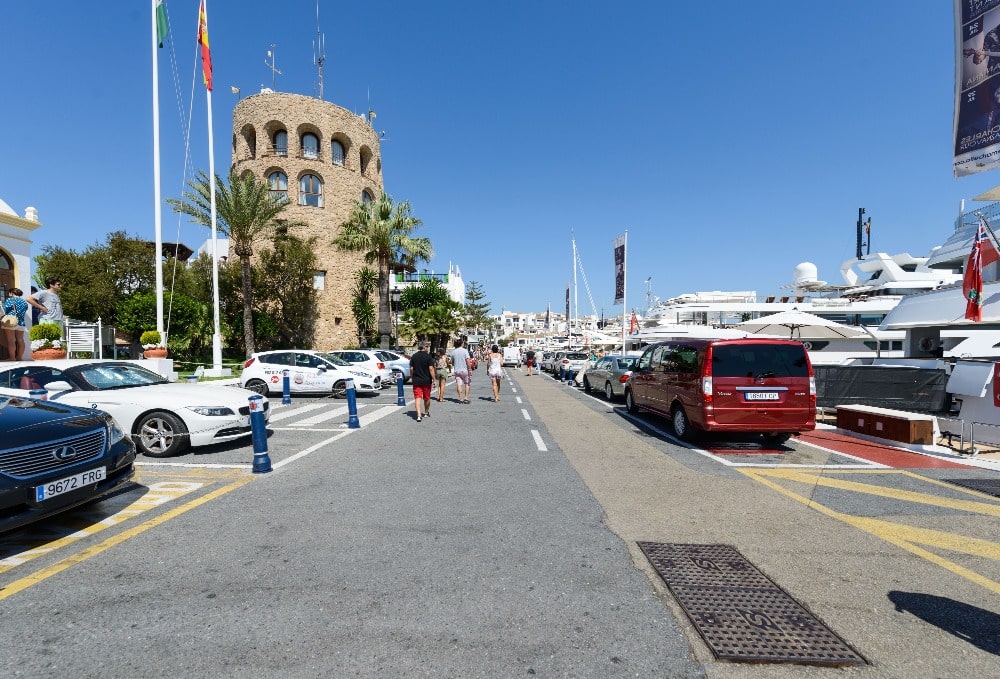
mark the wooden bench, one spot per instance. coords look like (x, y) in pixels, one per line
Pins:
(895, 425)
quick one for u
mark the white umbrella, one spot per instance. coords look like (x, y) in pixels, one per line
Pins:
(800, 324)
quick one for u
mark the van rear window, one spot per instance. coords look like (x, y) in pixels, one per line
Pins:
(756, 360)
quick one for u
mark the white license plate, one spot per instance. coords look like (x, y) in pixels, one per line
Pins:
(70, 483)
(762, 396)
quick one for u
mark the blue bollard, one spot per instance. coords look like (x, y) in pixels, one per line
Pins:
(39, 394)
(258, 431)
(400, 399)
(352, 407)
(286, 388)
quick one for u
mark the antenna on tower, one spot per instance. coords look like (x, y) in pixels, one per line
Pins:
(319, 51)
(273, 58)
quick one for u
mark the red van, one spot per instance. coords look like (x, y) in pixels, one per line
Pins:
(761, 386)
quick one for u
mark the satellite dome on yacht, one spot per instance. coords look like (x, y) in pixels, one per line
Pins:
(806, 276)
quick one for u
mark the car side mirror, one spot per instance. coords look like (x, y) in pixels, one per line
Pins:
(59, 385)
(322, 368)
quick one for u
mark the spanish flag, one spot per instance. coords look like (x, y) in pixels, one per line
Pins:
(206, 54)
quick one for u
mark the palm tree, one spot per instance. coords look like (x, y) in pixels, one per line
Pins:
(381, 230)
(245, 210)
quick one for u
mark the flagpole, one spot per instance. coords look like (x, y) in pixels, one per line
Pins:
(157, 218)
(207, 69)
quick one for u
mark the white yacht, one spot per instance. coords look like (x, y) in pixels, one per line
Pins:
(873, 285)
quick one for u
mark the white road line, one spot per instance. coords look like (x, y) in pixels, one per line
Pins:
(375, 415)
(525, 413)
(518, 399)
(310, 449)
(293, 410)
(323, 417)
(538, 440)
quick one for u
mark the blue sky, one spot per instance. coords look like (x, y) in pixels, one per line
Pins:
(732, 139)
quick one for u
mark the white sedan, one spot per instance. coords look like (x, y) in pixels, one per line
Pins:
(308, 372)
(163, 417)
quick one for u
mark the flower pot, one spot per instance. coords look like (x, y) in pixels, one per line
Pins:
(48, 354)
(156, 352)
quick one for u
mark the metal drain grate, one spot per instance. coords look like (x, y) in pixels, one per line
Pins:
(739, 612)
(988, 486)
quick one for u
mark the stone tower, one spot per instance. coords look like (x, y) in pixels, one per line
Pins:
(323, 157)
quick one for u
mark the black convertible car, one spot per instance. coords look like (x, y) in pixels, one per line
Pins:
(54, 457)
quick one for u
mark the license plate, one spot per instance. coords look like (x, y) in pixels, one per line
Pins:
(762, 396)
(70, 483)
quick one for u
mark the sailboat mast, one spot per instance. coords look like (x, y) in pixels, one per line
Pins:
(576, 299)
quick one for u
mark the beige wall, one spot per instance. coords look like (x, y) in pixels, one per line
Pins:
(255, 119)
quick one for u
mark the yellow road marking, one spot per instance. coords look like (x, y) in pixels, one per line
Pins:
(823, 479)
(901, 535)
(45, 573)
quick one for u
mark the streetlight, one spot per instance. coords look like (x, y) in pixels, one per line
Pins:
(394, 299)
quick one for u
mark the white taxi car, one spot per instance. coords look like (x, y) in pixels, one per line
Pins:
(163, 417)
(308, 372)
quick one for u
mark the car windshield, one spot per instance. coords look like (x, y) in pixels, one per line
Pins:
(336, 360)
(101, 376)
(576, 356)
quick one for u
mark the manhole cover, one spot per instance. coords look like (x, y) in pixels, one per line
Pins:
(739, 612)
(988, 486)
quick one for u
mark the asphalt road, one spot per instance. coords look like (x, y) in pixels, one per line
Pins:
(489, 540)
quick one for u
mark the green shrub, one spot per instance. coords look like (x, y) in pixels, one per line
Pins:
(46, 331)
(150, 338)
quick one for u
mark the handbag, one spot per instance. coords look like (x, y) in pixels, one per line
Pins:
(8, 321)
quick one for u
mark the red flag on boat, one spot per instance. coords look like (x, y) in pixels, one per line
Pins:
(206, 54)
(633, 326)
(972, 284)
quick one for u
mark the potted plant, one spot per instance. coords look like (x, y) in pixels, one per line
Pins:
(152, 344)
(46, 341)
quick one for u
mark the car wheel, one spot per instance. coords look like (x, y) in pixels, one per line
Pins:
(339, 389)
(609, 393)
(586, 385)
(630, 402)
(776, 439)
(259, 386)
(160, 434)
(682, 425)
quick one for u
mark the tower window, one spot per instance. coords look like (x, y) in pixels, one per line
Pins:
(281, 143)
(310, 146)
(337, 153)
(311, 191)
(278, 184)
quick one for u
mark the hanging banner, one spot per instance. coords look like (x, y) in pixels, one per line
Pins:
(620, 269)
(977, 86)
(568, 319)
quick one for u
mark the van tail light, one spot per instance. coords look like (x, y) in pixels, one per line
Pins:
(812, 390)
(249, 362)
(706, 377)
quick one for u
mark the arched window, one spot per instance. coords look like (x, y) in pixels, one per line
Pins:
(311, 190)
(365, 157)
(337, 153)
(366, 198)
(278, 184)
(310, 146)
(281, 143)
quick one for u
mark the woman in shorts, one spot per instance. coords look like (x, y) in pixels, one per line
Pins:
(442, 365)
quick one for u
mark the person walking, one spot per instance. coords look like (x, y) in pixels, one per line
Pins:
(539, 355)
(529, 360)
(441, 370)
(422, 378)
(495, 371)
(15, 334)
(461, 364)
(48, 302)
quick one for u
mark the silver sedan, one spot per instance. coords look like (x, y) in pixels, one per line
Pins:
(609, 375)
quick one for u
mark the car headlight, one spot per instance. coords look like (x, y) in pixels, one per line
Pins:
(212, 411)
(115, 433)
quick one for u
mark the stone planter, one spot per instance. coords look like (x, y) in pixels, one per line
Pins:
(156, 352)
(48, 354)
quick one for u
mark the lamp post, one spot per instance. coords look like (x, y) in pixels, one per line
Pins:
(394, 298)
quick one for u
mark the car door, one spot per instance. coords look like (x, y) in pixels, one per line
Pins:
(311, 371)
(641, 376)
